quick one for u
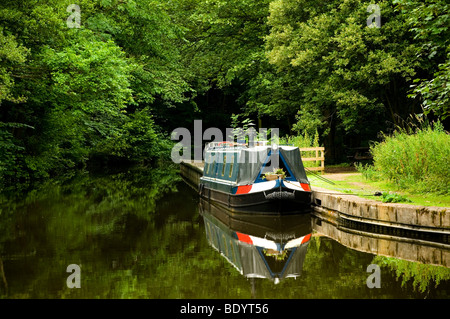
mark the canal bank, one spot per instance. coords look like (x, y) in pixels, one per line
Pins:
(332, 204)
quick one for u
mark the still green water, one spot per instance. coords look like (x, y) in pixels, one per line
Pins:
(145, 234)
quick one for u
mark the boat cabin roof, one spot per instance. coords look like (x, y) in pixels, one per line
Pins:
(246, 165)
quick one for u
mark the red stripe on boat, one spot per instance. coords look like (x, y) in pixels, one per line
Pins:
(305, 187)
(306, 238)
(245, 238)
(243, 189)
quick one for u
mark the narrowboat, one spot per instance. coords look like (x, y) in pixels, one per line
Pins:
(263, 178)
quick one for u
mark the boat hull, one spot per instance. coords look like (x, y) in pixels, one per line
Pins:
(273, 201)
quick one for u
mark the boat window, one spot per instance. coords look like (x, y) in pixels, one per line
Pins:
(231, 165)
(224, 164)
(208, 164)
(206, 167)
(212, 165)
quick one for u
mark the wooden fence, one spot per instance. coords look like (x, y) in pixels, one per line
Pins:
(320, 158)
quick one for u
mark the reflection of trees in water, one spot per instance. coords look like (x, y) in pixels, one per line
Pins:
(422, 277)
(275, 254)
(77, 221)
(3, 277)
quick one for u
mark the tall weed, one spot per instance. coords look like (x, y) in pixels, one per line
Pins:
(417, 160)
(302, 141)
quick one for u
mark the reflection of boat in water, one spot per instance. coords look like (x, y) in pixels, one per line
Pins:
(263, 178)
(259, 246)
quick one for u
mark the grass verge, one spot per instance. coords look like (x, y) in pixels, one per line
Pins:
(356, 184)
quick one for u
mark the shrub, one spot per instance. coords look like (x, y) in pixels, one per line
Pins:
(417, 161)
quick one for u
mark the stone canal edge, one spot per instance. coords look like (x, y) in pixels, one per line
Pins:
(406, 216)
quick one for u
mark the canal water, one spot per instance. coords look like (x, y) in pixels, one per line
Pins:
(146, 234)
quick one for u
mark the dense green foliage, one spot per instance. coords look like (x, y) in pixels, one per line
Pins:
(346, 79)
(112, 88)
(422, 277)
(73, 94)
(429, 21)
(417, 160)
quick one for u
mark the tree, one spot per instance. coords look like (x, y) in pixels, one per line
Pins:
(347, 79)
(11, 55)
(82, 88)
(429, 22)
(223, 52)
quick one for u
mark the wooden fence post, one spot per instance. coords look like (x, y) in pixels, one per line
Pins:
(320, 158)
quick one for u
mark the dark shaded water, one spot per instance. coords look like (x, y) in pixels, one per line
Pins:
(147, 235)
